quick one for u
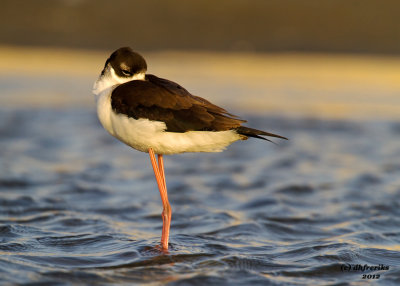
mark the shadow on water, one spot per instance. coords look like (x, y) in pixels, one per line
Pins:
(78, 206)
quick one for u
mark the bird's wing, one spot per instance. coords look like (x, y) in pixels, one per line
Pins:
(159, 99)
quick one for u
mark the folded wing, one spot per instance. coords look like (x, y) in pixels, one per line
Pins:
(159, 99)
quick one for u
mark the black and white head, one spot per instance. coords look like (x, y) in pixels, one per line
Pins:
(122, 66)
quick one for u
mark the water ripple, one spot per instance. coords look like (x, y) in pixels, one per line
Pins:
(78, 206)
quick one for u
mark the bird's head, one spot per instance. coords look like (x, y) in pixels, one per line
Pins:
(122, 66)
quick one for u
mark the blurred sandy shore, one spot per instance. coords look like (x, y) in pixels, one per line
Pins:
(323, 86)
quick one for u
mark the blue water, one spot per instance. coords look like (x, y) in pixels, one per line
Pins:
(79, 207)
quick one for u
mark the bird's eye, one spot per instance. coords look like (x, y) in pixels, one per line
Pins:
(126, 73)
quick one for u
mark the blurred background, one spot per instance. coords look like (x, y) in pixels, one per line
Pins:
(333, 58)
(368, 26)
(76, 205)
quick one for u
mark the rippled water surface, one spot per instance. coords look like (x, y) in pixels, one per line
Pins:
(79, 207)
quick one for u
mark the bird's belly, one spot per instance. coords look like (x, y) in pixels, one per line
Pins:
(142, 134)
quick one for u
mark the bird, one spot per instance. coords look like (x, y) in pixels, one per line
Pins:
(160, 117)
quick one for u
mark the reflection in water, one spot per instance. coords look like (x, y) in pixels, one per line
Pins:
(322, 86)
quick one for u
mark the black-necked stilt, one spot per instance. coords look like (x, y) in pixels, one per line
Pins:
(158, 116)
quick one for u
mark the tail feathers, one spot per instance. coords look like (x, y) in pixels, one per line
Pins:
(251, 132)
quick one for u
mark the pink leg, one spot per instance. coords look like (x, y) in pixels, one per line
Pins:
(161, 168)
(166, 214)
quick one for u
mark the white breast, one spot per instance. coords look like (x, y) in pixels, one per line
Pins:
(142, 134)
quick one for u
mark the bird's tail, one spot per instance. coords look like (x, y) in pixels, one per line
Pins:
(251, 132)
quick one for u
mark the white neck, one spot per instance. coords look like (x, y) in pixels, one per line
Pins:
(110, 79)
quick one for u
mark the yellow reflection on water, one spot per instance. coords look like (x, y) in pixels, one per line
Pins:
(312, 85)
